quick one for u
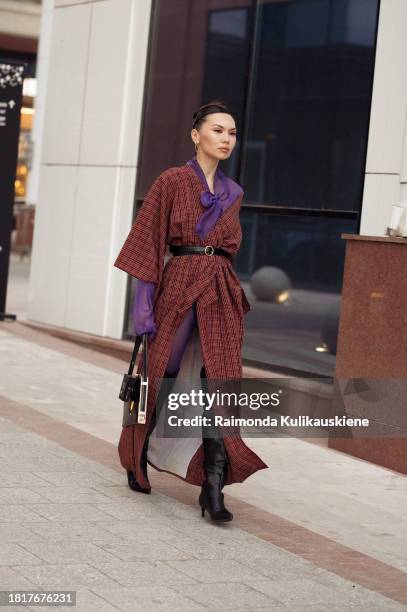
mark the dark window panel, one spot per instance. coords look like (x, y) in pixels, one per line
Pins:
(307, 134)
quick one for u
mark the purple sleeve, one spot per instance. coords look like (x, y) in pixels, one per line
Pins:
(143, 315)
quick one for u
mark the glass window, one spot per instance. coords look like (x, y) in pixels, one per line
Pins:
(291, 269)
(209, 60)
(308, 110)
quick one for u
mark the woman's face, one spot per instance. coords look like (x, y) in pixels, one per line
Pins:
(216, 136)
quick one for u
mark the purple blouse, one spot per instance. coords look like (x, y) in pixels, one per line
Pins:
(143, 316)
(226, 192)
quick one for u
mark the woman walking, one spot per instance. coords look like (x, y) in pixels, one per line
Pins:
(194, 305)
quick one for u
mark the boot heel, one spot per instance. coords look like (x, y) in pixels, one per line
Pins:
(134, 485)
(203, 510)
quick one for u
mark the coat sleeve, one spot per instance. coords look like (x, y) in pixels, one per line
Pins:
(142, 254)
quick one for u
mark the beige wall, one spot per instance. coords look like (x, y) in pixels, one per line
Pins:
(386, 166)
(91, 128)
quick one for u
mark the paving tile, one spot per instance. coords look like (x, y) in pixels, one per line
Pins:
(86, 600)
(11, 579)
(145, 572)
(67, 463)
(147, 599)
(24, 439)
(70, 576)
(353, 594)
(18, 495)
(30, 464)
(68, 494)
(148, 550)
(131, 499)
(18, 513)
(276, 566)
(342, 606)
(274, 607)
(69, 512)
(16, 532)
(109, 476)
(14, 554)
(306, 591)
(299, 590)
(153, 531)
(60, 451)
(255, 553)
(200, 549)
(347, 589)
(7, 426)
(128, 510)
(63, 478)
(71, 531)
(224, 596)
(23, 478)
(67, 552)
(120, 491)
(171, 509)
(89, 600)
(141, 517)
(204, 528)
(23, 454)
(215, 570)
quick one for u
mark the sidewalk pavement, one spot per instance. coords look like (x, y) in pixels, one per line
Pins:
(319, 530)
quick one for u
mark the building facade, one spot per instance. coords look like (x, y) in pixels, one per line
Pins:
(319, 93)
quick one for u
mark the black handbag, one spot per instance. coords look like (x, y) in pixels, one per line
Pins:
(134, 389)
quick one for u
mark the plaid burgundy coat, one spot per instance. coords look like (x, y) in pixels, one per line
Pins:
(169, 215)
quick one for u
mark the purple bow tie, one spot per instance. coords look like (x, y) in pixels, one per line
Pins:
(226, 192)
(213, 199)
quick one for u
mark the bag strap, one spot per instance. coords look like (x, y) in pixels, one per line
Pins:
(145, 356)
(139, 339)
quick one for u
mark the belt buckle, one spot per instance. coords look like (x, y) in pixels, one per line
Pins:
(209, 246)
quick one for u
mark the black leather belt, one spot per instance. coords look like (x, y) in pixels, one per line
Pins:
(178, 249)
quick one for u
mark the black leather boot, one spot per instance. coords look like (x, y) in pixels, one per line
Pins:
(162, 394)
(215, 466)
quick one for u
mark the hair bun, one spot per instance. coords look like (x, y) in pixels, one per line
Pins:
(214, 106)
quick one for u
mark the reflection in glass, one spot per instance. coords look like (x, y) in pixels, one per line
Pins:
(209, 60)
(310, 102)
(299, 329)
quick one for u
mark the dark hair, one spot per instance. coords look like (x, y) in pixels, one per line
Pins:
(214, 106)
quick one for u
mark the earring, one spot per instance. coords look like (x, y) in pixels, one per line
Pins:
(196, 146)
